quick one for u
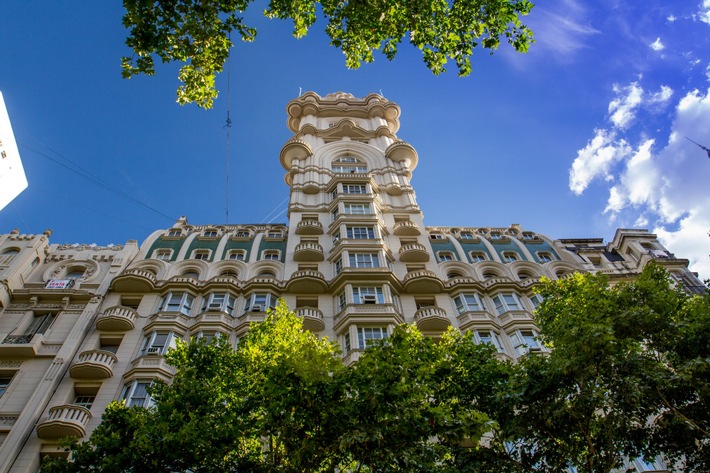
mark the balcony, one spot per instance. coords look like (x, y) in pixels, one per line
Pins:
(312, 318)
(308, 252)
(367, 313)
(413, 253)
(134, 280)
(309, 227)
(253, 315)
(478, 318)
(21, 345)
(214, 317)
(406, 228)
(432, 319)
(422, 281)
(93, 364)
(512, 317)
(310, 187)
(307, 281)
(64, 421)
(117, 319)
(150, 366)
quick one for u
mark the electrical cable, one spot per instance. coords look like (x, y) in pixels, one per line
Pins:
(88, 176)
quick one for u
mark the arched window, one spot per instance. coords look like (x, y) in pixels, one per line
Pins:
(348, 165)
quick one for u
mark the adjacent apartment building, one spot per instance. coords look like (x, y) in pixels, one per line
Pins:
(81, 326)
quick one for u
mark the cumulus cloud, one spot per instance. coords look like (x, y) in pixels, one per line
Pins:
(704, 13)
(657, 45)
(596, 159)
(661, 182)
(662, 96)
(622, 110)
(671, 18)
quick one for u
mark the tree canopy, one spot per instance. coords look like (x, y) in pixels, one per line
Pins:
(626, 375)
(198, 32)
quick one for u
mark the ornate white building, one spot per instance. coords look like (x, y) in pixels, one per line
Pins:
(82, 326)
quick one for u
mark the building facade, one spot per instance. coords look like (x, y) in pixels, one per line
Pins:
(81, 326)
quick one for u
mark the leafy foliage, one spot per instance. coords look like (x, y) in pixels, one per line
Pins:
(198, 32)
(627, 376)
(283, 401)
(615, 384)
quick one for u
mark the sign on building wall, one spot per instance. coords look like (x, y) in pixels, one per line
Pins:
(59, 284)
(12, 174)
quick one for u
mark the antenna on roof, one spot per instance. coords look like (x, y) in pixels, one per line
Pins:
(707, 150)
(228, 125)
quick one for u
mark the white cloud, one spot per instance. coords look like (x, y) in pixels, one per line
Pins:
(704, 13)
(657, 45)
(561, 28)
(671, 18)
(596, 159)
(664, 185)
(622, 110)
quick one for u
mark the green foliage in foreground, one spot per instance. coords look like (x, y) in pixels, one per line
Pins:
(627, 375)
(198, 32)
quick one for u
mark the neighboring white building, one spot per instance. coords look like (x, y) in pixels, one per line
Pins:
(81, 326)
(12, 174)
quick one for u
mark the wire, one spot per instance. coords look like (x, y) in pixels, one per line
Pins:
(228, 126)
(88, 176)
(275, 209)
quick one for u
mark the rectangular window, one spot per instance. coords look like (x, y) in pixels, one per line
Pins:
(163, 255)
(484, 336)
(468, 302)
(445, 256)
(354, 189)
(364, 260)
(358, 209)
(259, 302)
(174, 233)
(341, 301)
(238, 255)
(544, 257)
(84, 401)
(272, 255)
(361, 233)
(367, 335)
(157, 343)
(525, 341)
(346, 344)
(510, 256)
(4, 383)
(210, 234)
(505, 302)
(40, 324)
(177, 302)
(136, 394)
(203, 255)
(477, 257)
(467, 236)
(338, 266)
(223, 302)
(368, 295)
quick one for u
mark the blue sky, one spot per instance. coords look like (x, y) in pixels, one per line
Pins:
(584, 134)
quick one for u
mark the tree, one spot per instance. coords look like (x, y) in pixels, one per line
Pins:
(283, 401)
(198, 32)
(258, 408)
(627, 376)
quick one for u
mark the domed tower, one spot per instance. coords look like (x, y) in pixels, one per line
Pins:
(353, 216)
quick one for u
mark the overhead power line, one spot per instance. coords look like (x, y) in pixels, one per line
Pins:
(90, 177)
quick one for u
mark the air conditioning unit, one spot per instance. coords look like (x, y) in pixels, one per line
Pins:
(257, 308)
(369, 299)
(153, 351)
